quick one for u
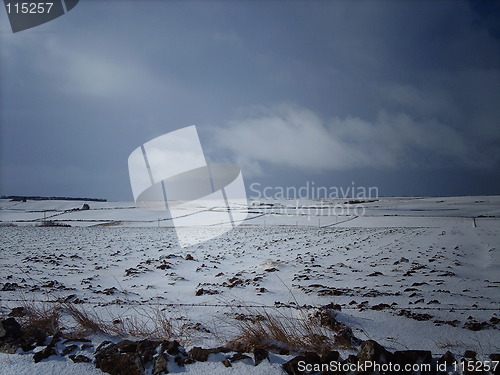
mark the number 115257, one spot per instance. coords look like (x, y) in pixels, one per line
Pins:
(29, 8)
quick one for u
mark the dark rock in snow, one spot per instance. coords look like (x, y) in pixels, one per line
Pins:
(292, 366)
(69, 349)
(447, 358)
(371, 351)
(160, 364)
(201, 355)
(79, 358)
(10, 328)
(43, 354)
(115, 362)
(239, 357)
(259, 355)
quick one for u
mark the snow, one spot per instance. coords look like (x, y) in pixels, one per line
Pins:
(24, 365)
(428, 255)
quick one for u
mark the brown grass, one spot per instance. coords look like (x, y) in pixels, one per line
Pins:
(44, 317)
(279, 331)
(144, 323)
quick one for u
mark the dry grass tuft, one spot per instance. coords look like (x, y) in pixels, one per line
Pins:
(87, 322)
(144, 323)
(282, 332)
(44, 317)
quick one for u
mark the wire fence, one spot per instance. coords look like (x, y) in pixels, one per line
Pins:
(242, 305)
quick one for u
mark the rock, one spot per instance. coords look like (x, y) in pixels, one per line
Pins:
(371, 351)
(43, 354)
(259, 355)
(160, 364)
(272, 269)
(10, 346)
(292, 366)
(181, 361)
(146, 349)
(239, 357)
(172, 347)
(345, 338)
(381, 306)
(330, 356)
(327, 318)
(69, 349)
(447, 358)
(127, 346)
(470, 354)
(121, 364)
(79, 358)
(474, 325)
(103, 344)
(189, 257)
(109, 359)
(49, 350)
(201, 355)
(17, 312)
(226, 363)
(34, 335)
(10, 328)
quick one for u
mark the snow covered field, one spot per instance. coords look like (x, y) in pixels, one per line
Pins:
(410, 273)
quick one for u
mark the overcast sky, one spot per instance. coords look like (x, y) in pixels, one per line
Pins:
(402, 95)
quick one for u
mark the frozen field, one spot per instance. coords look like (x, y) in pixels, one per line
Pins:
(417, 273)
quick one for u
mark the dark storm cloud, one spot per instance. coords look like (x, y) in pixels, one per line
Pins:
(327, 89)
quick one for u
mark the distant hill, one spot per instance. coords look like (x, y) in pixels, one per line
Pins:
(24, 198)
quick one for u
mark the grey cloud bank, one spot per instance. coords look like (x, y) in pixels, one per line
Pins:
(399, 95)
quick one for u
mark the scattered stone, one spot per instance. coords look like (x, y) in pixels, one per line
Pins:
(474, 325)
(371, 351)
(202, 291)
(381, 306)
(470, 354)
(172, 347)
(330, 356)
(146, 349)
(259, 354)
(189, 257)
(69, 349)
(17, 312)
(43, 354)
(239, 357)
(447, 358)
(201, 355)
(10, 328)
(292, 366)
(160, 364)
(109, 359)
(345, 338)
(79, 358)
(416, 316)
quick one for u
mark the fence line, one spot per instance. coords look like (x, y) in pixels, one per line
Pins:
(279, 305)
